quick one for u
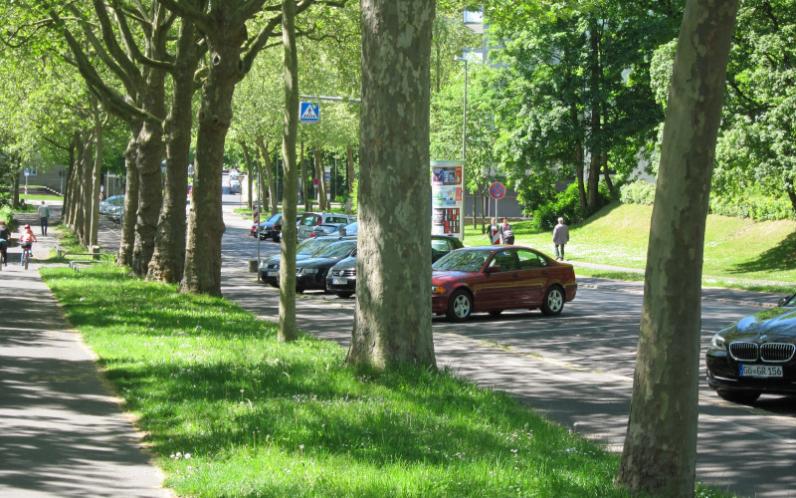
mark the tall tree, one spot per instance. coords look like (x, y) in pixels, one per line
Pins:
(659, 455)
(393, 315)
(288, 330)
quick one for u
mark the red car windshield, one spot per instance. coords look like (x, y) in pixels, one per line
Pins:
(466, 261)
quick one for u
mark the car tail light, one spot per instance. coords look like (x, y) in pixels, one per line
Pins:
(313, 235)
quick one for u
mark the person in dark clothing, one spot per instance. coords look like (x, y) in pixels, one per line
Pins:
(5, 236)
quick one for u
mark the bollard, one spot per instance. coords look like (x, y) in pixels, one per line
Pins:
(95, 252)
(253, 266)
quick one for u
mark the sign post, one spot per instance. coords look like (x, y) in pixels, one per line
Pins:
(447, 198)
(497, 191)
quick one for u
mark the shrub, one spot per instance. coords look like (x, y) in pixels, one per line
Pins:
(566, 204)
(638, 192)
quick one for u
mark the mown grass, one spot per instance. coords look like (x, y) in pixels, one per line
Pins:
(618, 236)
(40, 197)
(71, 249)
(230, 411)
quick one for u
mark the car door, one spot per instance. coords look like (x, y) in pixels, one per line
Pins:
(501, 288)
(533, 276)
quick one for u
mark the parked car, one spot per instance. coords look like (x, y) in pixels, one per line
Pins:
(496, 278)
(350, 229)
(309, 221)
(311, 272)
(269, 268)
(326, 229)
(755, 355)
(113, 207)
(342, 279)
(271, 228)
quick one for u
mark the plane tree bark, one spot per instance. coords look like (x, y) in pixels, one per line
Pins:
(288, 330)
(660, 447)
(393, 313)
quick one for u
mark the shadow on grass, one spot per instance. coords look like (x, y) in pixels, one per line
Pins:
(779, 258)
(220, 389)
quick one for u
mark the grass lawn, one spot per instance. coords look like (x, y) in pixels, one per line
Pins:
(243, 212)
(230, 411)
(40, 197)
(618, 236)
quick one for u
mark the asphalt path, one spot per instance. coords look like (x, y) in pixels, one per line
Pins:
(576, 368)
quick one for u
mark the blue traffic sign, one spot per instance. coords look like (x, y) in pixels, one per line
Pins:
(309, 112)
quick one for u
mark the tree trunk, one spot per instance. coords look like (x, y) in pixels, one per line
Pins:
(595, 146)
(205, 221)
(660, 447)
(67, 176)
(792, 196)
(349, 174)
(125, 256)
(288, 330)
(268, 175)
(15, 193)
(150, 155)
(253, 168)
(607, 175)
(319, 173)
(394, 247)
(168, 259)
(82, 220)
(96, 177)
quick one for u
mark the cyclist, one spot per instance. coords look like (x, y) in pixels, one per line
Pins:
(26, 240)
(5, 235)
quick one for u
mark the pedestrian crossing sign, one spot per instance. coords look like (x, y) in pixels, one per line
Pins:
(309, 112)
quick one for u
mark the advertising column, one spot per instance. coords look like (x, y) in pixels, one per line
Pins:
(447, 198)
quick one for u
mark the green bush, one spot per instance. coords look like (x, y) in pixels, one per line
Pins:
(756, 207)
(638, 192)
(566, 205)
(6, 214)
(750, 205)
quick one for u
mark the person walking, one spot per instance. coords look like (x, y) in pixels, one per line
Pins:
(507, 232)
(5, 236)
(560, 238)
(44, 217)
(494, 232)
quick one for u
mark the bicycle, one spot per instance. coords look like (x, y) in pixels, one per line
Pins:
(27, 254)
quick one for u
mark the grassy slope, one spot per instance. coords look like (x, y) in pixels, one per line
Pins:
(262, 418)
(734, 247)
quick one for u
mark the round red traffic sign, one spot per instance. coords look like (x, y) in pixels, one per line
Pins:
(497, 190)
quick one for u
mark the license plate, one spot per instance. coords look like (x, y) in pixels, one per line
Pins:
(760, 370)
(339, 281)
(272, 274)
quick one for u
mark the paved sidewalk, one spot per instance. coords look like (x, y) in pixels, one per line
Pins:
(62, 433)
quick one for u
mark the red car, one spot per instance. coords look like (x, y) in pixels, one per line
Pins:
(497, 278)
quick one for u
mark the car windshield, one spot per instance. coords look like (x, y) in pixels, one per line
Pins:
(468, 261)
(116, 200)
(790, 301)
(312, 246)
(338, 249)
(274, 218)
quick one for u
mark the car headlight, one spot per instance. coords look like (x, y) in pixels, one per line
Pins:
(437, 290)
(718, 341)
(306, 271)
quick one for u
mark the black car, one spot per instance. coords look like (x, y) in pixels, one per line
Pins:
(269, 269)
(342, 279)
(756, 355)
(271, 228)
(311, 272)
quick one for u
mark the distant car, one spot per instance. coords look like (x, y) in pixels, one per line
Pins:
(496, 278)
(755, 356)
(326, 229)
(269, 269)
(271, 228)
(113, 207)
(309, 221)
(234, 186)
(342, 278)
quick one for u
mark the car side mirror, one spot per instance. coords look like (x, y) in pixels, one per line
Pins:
(783, 301)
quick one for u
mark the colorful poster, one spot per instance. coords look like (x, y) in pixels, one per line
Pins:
(447, 198)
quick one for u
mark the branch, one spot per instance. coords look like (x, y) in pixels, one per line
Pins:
(132, 46)
(55, 144)
(113, 45)
(111, 99)
(190, 13)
